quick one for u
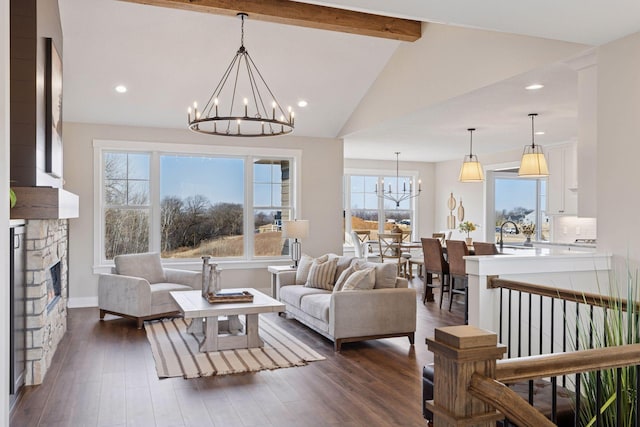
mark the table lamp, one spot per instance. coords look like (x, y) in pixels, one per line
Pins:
(296, 229)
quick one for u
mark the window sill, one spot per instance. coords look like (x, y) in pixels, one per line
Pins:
(196, 265)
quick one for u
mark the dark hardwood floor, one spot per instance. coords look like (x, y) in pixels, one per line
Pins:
(103, 374)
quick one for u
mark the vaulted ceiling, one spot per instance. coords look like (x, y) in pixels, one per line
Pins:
(170, 57)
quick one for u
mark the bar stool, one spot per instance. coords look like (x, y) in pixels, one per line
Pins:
(483, 248)
(456, 251)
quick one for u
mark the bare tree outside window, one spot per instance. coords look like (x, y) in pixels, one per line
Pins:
(126, 201)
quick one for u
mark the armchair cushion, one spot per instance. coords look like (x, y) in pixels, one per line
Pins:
(147, 266)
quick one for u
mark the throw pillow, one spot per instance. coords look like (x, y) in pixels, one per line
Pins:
(343, 263)
(386, 273)
(343, 278)
(361, 280)
(321, 275)
(304, 265)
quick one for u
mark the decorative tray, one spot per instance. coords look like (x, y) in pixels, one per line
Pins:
(221, 297)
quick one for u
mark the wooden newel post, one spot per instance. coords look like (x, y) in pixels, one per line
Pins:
(459, 352)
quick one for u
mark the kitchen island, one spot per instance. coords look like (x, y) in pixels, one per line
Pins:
(574, 268)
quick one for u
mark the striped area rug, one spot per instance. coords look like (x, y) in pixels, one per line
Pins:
(176, 351)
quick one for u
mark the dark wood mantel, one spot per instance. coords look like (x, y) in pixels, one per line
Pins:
(45, 203)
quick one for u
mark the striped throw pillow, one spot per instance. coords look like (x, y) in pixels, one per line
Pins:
(361, 280)
(322, 275)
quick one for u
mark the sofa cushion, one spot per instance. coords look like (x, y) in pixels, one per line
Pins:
(302, 272)
(322, 275)
(361, 280)
(293, 295)
(386, 273)
(317, 306)
(147, 266)
(343, 278)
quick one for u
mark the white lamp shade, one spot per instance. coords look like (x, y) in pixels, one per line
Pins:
(471, 170)
(297, 229)
(533, 163)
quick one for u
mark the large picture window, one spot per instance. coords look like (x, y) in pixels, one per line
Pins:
(367, 214)
(186, 205)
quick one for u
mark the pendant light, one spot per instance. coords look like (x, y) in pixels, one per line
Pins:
(533, 163)
(471, 170)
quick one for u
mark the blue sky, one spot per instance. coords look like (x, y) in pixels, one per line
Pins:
(218, 179)
(511, 193)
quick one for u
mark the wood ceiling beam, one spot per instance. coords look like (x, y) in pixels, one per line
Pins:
(303, 15)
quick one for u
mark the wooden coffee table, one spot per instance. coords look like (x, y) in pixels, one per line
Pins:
(225, 334)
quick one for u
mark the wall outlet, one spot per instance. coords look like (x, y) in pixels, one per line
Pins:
(564, 230)
(577, 231)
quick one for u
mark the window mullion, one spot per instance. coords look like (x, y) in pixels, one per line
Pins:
(249, 209)
(154, 203)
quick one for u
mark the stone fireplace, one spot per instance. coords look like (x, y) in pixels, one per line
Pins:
(46, 293)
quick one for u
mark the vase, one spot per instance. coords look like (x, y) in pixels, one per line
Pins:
(528, 241)
(469, 241)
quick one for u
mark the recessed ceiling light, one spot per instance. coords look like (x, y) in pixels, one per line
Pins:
(302, 103)
(540, 132)
(534, 86)
(121, 88)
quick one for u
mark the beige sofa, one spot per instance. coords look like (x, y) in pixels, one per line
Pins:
(387, 310)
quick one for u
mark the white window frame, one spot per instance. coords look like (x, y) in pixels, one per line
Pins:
(380, 174)
(156, 149)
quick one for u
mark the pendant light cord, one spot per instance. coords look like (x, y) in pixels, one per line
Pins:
(533, 141)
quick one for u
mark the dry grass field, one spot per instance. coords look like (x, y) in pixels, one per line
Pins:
(266, 244)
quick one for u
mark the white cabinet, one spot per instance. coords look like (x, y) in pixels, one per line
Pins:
(562, 185)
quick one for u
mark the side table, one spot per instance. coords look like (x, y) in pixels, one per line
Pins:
(274, 270)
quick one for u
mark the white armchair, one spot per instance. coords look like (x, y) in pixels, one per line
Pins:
(139, 288)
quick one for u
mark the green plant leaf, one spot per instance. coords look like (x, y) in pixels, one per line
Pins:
(12, 197)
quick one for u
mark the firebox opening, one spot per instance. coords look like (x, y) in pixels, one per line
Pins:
(54, 285)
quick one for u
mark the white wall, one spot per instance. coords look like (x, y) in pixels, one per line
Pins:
(425, 206)
(471, 193)
(321, 200)
(618, 190)
(4, 211)
(447, 62)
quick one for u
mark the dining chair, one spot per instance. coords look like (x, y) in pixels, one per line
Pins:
(456, 251)
(434, 263)
(362, 249)
(484, 248)
(390, 251)
(439, 236)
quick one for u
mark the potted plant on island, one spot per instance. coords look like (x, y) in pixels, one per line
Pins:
(468, 227)
(528, 230)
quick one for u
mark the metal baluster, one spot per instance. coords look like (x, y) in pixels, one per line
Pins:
(553, 300)
(554, 399)
(519, 324)
(540, 339)
(564, 336)
(509, 328)
(501, 316)
(591, 328)
(637, 414)
(598, 398)
(529, 342)
(576, 415)
(619, 414)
